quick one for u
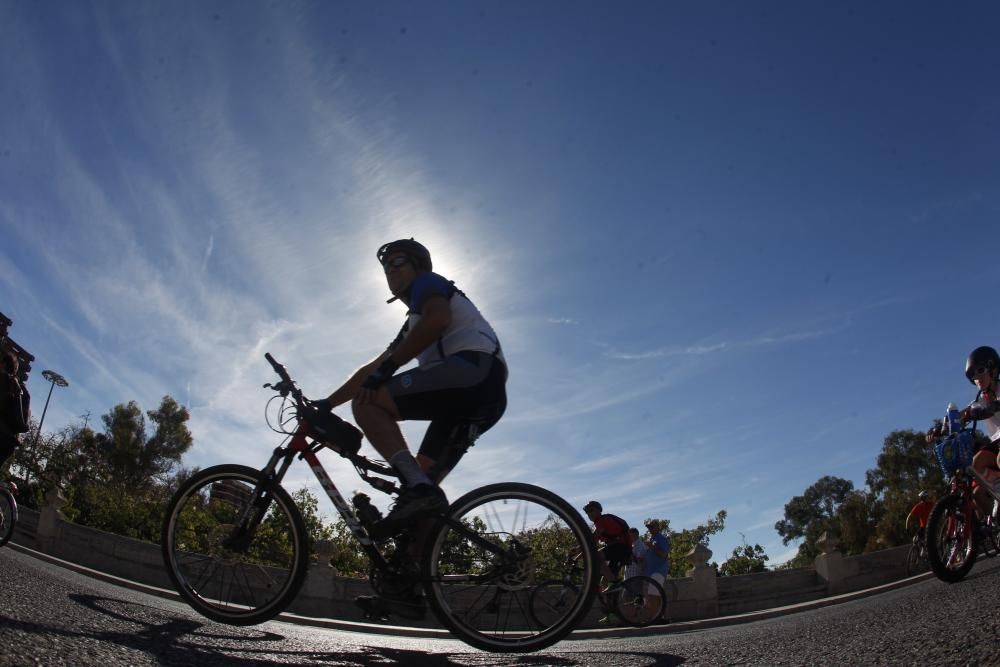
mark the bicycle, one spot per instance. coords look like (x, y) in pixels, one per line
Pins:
(8, 511)
(916, 557)
(236, 547)
(955, 531)
(637, 600)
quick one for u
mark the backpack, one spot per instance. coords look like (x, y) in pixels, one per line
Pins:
(624, 526)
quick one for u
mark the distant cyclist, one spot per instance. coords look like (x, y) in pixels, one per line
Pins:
(612, 533)
(920, 512)
(982, 368)
(458, 384)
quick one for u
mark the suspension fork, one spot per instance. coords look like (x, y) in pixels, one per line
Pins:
(260, 497)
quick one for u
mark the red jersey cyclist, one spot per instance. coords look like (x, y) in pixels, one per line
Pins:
(920, 512)
(612, 532)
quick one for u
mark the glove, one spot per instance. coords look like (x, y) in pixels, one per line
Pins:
(380, 375)
(322, 404)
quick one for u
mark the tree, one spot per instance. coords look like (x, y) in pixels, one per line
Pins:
(682, 542)
(746, 559)
(810, 515)
(858, 516)
(906, 466)
(132, 459)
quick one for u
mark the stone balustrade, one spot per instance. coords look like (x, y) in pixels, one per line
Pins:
(701, 594)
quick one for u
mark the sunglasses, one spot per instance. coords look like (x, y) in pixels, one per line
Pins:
(982, 370)
(396, 262)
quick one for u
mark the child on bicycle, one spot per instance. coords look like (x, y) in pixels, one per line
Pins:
(982, 368)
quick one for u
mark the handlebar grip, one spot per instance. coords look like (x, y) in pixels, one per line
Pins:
(278, 368)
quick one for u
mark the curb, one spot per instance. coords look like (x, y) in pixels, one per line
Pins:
(440, 633)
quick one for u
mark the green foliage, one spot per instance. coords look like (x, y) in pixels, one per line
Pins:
(905, 467)
(810, 515)
(858, 516)
(132, 459)
(745, 559)
(308, 506)
(348, 558)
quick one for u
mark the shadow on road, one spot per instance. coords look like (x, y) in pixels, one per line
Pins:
(172, 640)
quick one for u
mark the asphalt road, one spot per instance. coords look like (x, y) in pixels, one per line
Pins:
(51, 616)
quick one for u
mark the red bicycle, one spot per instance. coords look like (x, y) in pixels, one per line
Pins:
(237, 549)
(955, 532)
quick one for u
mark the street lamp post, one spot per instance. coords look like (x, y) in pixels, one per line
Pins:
(55, 379)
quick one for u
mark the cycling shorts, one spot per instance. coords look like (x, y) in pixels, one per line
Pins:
(617, 555)
(462, 397)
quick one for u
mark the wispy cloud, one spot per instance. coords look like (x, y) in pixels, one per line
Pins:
(705, 349)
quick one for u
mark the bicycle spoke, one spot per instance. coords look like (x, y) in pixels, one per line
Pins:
(501, 542)
(228, 570)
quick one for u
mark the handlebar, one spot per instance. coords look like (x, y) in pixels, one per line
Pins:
(278, 368)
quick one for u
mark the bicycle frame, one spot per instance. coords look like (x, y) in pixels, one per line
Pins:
(300, 445)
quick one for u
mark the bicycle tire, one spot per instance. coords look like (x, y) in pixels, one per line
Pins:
(951, 540)
(8, 516)
(241, 583)
(912, 560)
(640, 601)
(484, 597)
(549, 600)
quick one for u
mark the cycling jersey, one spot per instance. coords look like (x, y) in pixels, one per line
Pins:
(921, 511)
(459, 382)
(468, 331)
(991, 425)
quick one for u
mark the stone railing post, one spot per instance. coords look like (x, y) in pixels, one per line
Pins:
(321, 582)
(50, 519)
(831, 565)
(706, 589)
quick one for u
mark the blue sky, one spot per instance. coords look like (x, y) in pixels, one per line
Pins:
(728, 247)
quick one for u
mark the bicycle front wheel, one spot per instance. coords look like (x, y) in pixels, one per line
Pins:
(913, 560)
(8, 516)
(235, 547)
(951, 538)
(639, 601)
(486, 561)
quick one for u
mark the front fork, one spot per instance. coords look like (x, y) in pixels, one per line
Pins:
(260, 499)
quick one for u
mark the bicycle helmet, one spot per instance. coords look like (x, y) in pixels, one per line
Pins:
(420, 256)
(982, 357)
(593, 505)
(924, 495)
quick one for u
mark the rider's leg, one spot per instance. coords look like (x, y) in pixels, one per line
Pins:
(379, 420)
(983, 461)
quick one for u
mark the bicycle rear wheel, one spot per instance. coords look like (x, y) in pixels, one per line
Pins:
(549, 601)
(8, 516)
(236, 550)
(639, 601)
(488, 557)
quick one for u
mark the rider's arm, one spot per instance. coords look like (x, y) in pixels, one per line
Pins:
(979, 410)
(349, 389)
(435, 316)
